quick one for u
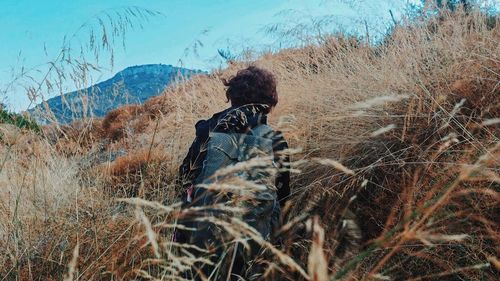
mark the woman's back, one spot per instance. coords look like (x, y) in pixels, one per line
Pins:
(235, 172)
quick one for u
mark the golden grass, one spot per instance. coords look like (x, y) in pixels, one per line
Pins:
(398, 142)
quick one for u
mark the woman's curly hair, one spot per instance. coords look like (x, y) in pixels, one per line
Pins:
(252, 85)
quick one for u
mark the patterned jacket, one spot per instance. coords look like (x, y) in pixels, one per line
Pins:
(233, 120)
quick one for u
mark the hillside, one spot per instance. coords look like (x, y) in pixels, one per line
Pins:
(396, 170)
(133, 85)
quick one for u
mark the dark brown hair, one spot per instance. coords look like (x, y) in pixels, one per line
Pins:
(252, 85)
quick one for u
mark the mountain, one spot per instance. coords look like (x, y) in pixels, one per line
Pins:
(133, 85)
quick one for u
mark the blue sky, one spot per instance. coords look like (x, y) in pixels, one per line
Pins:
(32, 31)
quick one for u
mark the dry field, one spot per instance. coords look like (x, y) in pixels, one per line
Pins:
(395, 174)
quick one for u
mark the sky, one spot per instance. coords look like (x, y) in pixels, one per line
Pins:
(32, 32)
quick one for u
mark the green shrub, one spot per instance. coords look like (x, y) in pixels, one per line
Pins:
(18, 120)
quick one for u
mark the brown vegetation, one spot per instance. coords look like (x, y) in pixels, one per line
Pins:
(414, 123)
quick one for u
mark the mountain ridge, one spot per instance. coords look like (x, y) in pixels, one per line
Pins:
(133, 85)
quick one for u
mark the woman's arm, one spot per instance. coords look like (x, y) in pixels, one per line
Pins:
(283, 161)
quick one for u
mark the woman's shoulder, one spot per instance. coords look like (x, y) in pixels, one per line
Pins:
(204, 126)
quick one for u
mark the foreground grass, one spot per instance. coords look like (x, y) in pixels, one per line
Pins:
(411, 124)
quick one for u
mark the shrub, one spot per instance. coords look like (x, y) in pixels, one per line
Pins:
(18, 120)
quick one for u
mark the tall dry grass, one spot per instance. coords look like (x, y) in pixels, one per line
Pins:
(396, 177)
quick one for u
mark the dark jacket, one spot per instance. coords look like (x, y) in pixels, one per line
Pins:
(234, 120)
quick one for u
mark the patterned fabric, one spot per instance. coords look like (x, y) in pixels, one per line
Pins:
(232, 136)
(233, 120)
(241, 119)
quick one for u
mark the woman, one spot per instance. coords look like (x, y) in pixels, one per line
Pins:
(252, 93)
